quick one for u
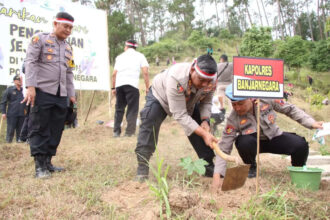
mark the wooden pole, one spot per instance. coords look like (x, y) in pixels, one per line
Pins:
(81, 103)
(109, 94)
(90, 105)
(258, 144)
(1, 124)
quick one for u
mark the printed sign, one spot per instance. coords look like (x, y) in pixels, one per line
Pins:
(21, 20)
(257, 77)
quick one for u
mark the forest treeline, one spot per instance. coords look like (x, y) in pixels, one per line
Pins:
(294, 30)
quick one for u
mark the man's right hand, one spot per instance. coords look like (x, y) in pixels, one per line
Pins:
(4, 116)
(209, 139)
(113, 91)
(30, 96)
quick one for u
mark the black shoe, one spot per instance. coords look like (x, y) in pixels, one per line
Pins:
(116, 134)
(20, 141)
(40, 166)
(50, 166)
(141, 178)
(252, 171)
(209, 170)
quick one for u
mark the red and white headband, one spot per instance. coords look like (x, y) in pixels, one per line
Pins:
(131, 44)
(63, 20)
(202, 73)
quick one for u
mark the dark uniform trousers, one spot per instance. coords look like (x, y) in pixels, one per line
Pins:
(24, 131)
(46, 123)
(152, 116)
(14, 123)
(287, 143)
(129, 96)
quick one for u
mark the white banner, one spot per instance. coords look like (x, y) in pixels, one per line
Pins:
(21, 19)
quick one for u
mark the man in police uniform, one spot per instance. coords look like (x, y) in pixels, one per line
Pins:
(241, 128)
(12, 98)
(125, 86)
(49, 81)
(176, 92)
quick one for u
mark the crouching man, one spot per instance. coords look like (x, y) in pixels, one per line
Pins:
(241, 128)
(176, 92)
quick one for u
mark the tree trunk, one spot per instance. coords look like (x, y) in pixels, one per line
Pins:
(248, 13)
(324, 19)
(263, 7)
(216, 10)
(319, 19)
(283, 23)
(259, 14)
(279, 19)
(139, 14)
(242, 20)
(226, 9)
(309, 22)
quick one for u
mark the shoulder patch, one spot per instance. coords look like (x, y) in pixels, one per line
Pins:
(35, 39)
(229, 129)
(280, 101)
(179, 88)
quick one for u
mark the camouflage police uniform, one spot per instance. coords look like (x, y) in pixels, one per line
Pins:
(48, 67)
(242, 130)
(172, 95)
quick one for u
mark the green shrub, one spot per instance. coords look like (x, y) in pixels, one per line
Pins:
(294, 51)
(257, 42)
(319, 58)
(163, 49)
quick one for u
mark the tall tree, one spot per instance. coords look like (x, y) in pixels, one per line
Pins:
(279, 19)
(263, 7)
(183, 11)
(106, 5)
(319, 19)
(244, 3)
(119, 31)
(260, 17)
(309, 22)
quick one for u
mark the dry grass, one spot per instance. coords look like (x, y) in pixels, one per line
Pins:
(99, 165)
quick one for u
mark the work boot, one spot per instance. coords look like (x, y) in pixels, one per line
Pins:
(142, 173)
(253, 170)
(41, 169)
(50, 166)
(209, 170)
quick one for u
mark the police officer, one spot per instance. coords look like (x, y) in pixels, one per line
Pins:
(49, 81)
(176, 92)
(12, 98)
(241, 128)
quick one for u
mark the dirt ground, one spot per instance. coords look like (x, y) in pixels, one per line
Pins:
(98, 181)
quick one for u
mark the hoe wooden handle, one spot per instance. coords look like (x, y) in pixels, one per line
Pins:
(223, 155)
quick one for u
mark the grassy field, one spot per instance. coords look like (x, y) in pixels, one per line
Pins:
(98, 182)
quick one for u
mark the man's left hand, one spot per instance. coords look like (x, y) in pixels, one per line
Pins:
(318, 125)
(73, 99)
(205, 125)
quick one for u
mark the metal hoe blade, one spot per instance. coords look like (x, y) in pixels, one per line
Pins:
(235, 177)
